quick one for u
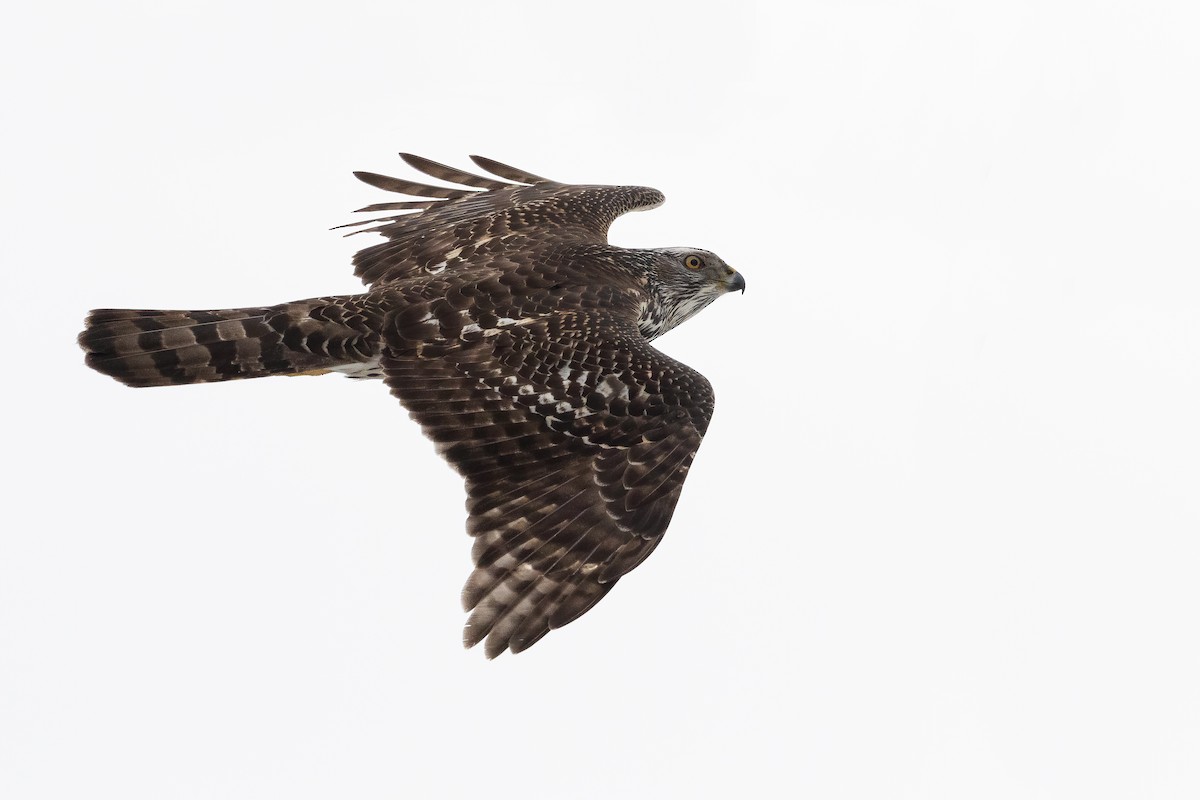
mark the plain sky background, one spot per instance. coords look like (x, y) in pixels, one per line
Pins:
(943, 537)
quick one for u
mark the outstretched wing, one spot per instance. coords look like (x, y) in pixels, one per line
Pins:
(574, 436)
(455, 228)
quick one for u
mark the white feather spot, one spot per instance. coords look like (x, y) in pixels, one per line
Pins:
(611, 385)
(363, 370)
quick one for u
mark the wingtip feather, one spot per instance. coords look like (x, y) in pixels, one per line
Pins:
(508, 172)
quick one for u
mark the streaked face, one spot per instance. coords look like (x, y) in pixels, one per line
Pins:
(690, 279)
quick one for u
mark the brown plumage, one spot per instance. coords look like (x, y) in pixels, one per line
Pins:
(519, 339)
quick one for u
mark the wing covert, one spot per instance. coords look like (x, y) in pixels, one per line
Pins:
(574, 437)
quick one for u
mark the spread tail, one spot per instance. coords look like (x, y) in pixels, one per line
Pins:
(165, 348)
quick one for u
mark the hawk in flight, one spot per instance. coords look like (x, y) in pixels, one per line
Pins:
(519, 338)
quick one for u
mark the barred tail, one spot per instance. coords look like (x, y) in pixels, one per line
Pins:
(164, 348)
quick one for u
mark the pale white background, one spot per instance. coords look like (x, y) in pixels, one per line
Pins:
(942, 540)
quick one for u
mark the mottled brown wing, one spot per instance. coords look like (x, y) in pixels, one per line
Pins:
(456, 228)
(574, 436)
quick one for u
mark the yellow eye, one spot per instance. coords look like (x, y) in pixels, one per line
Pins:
(693, 262)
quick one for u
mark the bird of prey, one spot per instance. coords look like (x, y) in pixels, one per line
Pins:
(519, 339)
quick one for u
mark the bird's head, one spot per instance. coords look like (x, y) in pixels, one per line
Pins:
(683, 281)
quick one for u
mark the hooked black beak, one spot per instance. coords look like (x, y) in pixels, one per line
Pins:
(736, 283)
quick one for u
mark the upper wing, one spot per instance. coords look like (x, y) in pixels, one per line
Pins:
(453, 227)
(574, 436)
